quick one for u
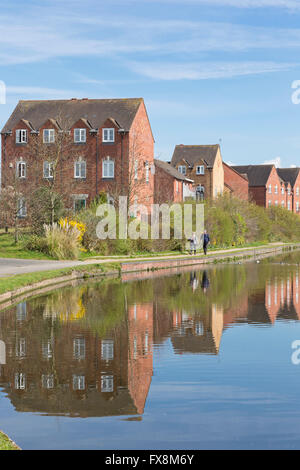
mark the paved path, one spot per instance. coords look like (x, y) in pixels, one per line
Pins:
(12, 266)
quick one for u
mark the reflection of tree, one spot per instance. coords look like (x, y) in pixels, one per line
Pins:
(226, 285)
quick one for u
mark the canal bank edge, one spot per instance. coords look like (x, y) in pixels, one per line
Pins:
(66, 276)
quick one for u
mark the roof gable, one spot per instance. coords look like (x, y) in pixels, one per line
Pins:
(289, 175)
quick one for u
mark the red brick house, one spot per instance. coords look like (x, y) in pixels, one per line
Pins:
(235, 183)
(203, 164)
(266, 188)
(291, 176)
(108, 146)
(169, 184)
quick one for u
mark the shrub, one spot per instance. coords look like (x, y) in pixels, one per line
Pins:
(61, 243)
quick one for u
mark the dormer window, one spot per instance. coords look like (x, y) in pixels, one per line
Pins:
(48, 136)
(21, 136)
(79, 136)
(182, 169)
(200, 170)
(108, 135)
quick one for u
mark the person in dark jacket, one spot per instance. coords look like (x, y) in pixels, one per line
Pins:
(206, 241)
(205, 281)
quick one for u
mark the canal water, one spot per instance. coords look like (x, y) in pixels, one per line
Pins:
(206, 359)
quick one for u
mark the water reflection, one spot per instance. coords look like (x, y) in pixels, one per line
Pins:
(88, 351)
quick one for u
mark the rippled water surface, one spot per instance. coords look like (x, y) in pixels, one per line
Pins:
(203, 359)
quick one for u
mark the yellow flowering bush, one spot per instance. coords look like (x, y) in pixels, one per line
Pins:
(71, 226)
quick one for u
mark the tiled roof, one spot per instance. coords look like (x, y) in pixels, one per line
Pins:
(289, 175)
(258, 175)
(165, 166)
(193, 153)
(67, 112)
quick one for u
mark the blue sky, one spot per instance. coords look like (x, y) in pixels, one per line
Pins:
(210, 71)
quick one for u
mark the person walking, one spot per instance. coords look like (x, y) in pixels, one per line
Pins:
(193, 243)
(205, 282)
(206, 241)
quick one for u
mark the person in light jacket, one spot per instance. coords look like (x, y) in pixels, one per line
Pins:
(193, 243)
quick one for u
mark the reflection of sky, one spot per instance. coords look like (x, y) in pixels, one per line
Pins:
(246, 397)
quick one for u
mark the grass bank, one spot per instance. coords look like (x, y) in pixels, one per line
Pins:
(18, 281)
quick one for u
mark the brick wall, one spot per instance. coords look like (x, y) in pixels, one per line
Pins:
(137, 144)
(238, 184)
(166, 187)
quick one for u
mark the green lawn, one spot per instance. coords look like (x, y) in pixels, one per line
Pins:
(6, 443)
(8, 248)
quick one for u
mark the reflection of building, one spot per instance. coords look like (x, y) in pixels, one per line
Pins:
(198, 333)
(282, 297)
(56, 366)
(140, 359)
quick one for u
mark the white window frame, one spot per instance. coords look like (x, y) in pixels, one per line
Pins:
(79, 199)
(297, 191)
(20, 381)
(276, 189)
(48, 381)
(107, 383)
(21, 165)
(270, 189)
(108, 168)
(79, 348)
(200, 170)
(182, 169)
(80, 169)
(80, 135)
(50, 139)
(107, 349)
(147, 171)
(108, 134)
(21, 136)
(78, 382)
(48, 170)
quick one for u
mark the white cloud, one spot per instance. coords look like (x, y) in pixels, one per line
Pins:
(51, 32)
(276, 161)
(206, 70)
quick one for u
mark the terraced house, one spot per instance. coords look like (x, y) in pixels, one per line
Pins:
(291, 177)
(203, 165)
(270, 186)
(82, 147)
